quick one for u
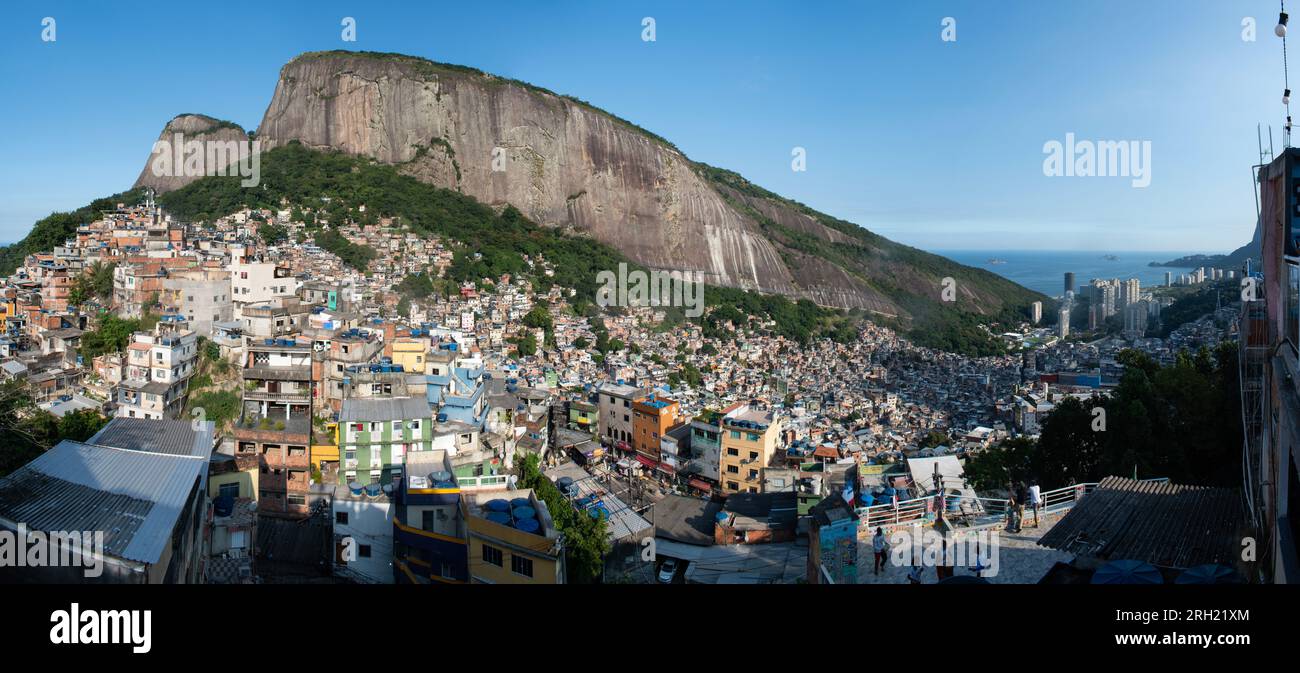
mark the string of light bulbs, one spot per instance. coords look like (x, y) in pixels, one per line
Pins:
(1280, 31)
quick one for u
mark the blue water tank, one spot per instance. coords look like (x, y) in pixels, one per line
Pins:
(525, 512)
(499, 505)
(442, 418)
(499, 517)
(520, 502)
(528, 525)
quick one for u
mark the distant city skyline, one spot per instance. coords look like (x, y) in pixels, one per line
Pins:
(938, 145)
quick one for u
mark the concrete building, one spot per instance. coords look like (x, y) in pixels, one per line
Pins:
(201, 295)
(275, 423)
(159, 367)
(652, 416)
(615, 402)
(376, 434)
(749, 443)
(512, 541)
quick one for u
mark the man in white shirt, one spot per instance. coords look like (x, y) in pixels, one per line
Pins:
(1035, 498)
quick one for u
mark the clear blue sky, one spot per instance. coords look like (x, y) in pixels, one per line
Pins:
(938, 145)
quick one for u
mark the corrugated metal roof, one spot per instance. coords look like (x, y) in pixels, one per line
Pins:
(173, 437)
(383, 409)
(134, 496)
(1164, 524)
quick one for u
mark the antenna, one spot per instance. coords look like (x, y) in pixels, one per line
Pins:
(1280, 31)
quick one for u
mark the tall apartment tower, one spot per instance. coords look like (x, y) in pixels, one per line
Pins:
(1069, 282)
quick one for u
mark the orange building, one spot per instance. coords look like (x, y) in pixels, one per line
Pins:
(651, 418)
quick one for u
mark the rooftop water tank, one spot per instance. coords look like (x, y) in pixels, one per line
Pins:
(499, 505)
(355, 487)
(528, 525)
(521, 513)
(499, 517)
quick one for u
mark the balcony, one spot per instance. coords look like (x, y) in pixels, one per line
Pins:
(277, 391)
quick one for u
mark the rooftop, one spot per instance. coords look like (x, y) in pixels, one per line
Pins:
(134, 496)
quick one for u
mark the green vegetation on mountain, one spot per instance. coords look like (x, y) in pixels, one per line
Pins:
(1192, 305)
(873, 259)
(487, 244)
(52, 231)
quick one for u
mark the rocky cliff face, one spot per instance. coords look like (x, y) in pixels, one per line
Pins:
(190, 127)
(566, 164)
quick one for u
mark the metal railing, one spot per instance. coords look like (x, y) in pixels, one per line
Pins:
(975, 510)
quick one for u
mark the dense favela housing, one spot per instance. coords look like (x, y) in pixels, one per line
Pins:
(233, 402)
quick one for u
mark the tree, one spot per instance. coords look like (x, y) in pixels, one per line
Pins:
(81, 425)
(586, 540)
(1158, 422)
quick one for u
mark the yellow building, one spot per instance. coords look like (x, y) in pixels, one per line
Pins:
(504, 547)
(410, 353)
(232, 476)
(750, 435)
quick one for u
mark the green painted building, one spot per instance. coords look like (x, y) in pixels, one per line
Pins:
(376, 434)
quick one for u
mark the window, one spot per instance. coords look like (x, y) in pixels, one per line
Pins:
(520, 565)
(492, 555)
(733, 452)
(363, 551)
(230, 490)
(426, 520)
(341, 517)
(735, 434)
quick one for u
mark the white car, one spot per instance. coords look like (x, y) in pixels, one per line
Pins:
(667, 570)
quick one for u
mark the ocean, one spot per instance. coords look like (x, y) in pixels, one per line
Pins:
(1044, 270)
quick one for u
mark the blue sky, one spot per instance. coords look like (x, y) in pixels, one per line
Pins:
(935, 144)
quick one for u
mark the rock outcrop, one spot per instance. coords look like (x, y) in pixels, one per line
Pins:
(566, 164)
(189, 127)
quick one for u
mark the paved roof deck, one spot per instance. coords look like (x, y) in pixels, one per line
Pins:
(623, 521)
(1020, 559)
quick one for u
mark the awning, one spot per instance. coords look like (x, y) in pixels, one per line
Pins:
(702, 485)
(667, 468)
(646, 461)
